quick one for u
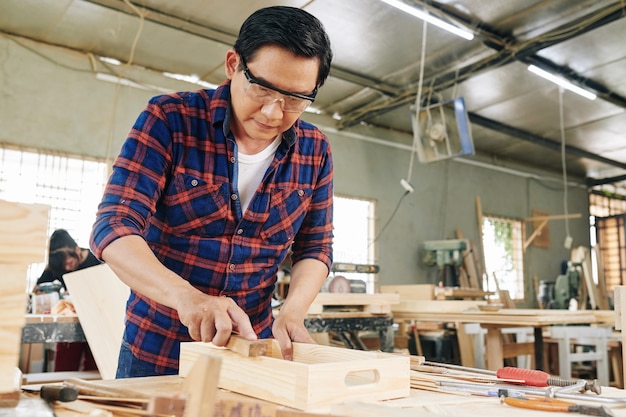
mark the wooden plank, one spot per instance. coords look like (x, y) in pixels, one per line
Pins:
(23, 232)
(473, 274)
(581, 255)
(410, 292)
(100, 300)
(317, 376)
(602, 292)
(482, 268)
(466, 346)
(442, 306)
(620, 321)
(371, 303)
(201, 386)
(512, 350)
(540, 239)
(13, 301)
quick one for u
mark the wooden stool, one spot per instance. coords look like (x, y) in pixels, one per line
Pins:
(569, 337)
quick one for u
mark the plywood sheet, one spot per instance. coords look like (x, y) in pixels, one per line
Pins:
(23, 232)
(13, 308)
(100, 300)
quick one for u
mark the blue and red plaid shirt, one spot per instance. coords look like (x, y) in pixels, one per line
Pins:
(175, 184)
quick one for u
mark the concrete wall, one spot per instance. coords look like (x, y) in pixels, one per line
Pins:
(50, 98)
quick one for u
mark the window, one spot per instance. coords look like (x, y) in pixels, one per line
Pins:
(503, 248)
(72, 187)
(353, 221)
(608, 234)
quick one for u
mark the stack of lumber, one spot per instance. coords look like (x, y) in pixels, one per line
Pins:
(23, 240)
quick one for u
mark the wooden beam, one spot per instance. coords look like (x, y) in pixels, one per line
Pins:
(535, 233)
(553, 217)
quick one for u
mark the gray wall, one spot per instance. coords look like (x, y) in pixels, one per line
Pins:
(51, 99)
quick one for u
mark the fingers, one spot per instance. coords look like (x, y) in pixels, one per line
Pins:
(214, 321)
(241, 323)
(286, 348)
(287, 331)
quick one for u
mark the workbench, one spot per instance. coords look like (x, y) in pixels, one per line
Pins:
(495, 321)
(45, 328)
(420, 402)
(348, 325)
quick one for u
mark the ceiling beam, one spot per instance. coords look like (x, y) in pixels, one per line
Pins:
(540, 140)
(228, 39)
(592, 182)
(507, 51)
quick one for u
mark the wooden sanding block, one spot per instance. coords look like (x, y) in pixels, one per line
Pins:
(248, 348)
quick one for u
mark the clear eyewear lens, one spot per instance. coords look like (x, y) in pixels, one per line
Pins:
(266, 97)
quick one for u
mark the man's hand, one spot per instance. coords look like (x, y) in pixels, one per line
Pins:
(287, 329)
(213, 319)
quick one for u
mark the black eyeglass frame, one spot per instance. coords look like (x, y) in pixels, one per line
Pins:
(254, 80)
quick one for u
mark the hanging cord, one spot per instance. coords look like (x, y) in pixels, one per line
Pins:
(563, 164)
(118, 85)
(390, 218)
(418, 101)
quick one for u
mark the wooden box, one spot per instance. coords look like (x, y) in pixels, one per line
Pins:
(317, 377)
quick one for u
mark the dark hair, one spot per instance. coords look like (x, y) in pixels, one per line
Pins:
(291, 28)
(62, 245)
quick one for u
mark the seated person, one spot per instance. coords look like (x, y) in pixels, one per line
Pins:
(64, 255)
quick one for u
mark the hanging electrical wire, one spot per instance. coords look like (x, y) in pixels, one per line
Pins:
(118, 85)
(568, 237)
(418, 100)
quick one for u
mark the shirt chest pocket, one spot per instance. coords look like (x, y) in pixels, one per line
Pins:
(287, 209)
(194, 207)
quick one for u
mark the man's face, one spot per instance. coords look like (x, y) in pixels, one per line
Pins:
(275, 67)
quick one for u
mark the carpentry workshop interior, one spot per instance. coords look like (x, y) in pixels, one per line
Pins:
(478, 208)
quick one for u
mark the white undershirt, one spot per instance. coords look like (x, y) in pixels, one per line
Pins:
(251, 171)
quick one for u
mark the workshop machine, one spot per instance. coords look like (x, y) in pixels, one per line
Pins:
(342, 284)
(447, 255)
(559, 294)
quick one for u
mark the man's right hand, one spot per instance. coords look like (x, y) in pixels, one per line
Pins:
(213, 319)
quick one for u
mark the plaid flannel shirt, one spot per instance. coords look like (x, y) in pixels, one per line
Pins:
(175, 184)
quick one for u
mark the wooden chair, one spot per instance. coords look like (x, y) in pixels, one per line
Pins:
(570, 339)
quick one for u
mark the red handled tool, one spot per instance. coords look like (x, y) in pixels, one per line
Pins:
(531, 377)
(536, 378)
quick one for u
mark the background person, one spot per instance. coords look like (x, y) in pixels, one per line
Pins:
(210, 190)
(64, 255)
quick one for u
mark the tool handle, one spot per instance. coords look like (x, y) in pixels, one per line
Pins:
(529, 376)
(97, 389)
(543, 404)
(58, 393)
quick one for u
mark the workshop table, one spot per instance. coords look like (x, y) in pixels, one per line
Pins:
(348, 325)
(495, 321)
(419, 402)
(46, 328)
